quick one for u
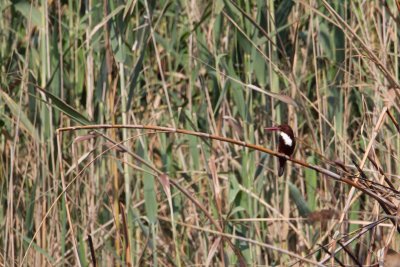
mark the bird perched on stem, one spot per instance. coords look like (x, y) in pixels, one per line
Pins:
(287, 143)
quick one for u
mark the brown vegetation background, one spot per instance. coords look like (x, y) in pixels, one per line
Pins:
(148, 196)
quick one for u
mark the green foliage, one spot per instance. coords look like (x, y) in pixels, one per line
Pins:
(311, 184)
(298, 199)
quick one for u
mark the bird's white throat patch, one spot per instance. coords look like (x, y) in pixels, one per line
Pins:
(286, 138)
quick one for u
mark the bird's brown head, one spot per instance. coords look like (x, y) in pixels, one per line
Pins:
(286, 134)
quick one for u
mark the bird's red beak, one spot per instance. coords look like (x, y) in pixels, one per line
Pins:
(274, 128)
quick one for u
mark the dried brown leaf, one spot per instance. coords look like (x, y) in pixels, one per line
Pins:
(217, 187)
(322, 215)
(164, 180)
(341, 164)
(392, 258)
(82, 138)
(213, 250)
(284, 98)
(389, 98)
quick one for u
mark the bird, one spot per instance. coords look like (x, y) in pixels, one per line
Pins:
(287, 143)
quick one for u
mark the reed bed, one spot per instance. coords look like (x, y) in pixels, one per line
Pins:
(132, 133)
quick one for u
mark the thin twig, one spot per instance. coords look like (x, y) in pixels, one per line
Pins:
(319, 169)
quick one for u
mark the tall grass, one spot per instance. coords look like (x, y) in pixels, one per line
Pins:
(132, 197)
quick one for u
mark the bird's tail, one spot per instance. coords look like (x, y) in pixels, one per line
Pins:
(282, 164)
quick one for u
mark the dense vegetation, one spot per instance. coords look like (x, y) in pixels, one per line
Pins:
(106, 196)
